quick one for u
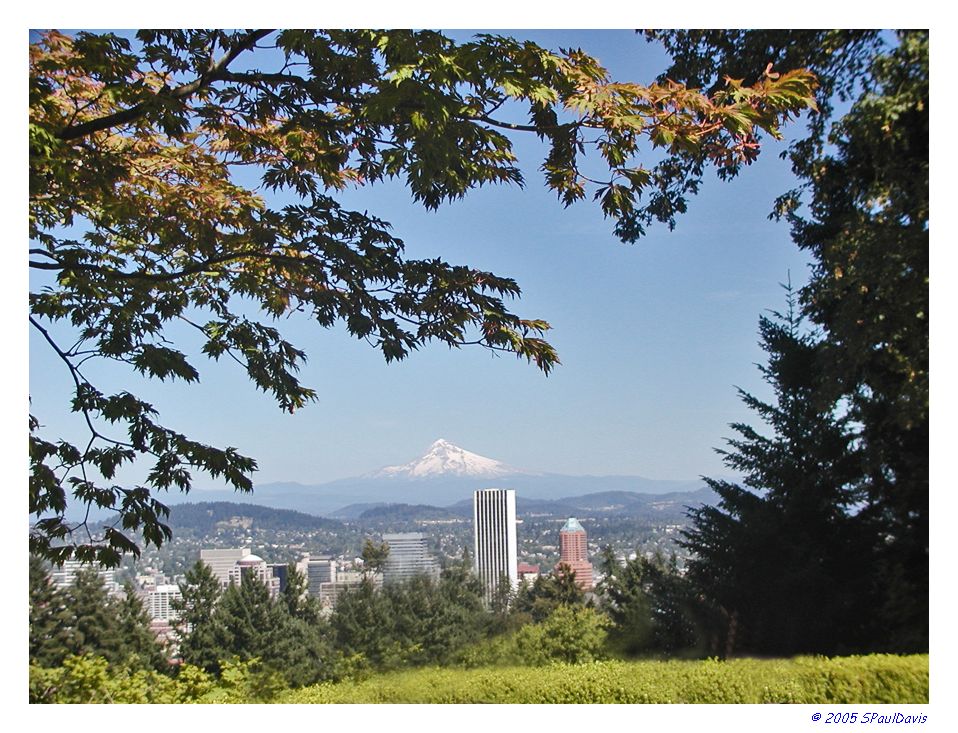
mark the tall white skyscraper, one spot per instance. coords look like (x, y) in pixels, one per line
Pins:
(494, 520)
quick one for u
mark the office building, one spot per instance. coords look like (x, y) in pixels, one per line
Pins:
(574, 552)
(494, 523)
(318, 571)
(280, 570)
(408, 557)
(221, 562)
(65, 575)
(232, 565)
(157, 602)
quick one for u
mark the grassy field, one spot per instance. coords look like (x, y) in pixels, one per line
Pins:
(867, 679)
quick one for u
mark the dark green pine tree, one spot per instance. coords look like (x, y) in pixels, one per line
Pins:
(463, 619)
(245, 620)
(364, 628)
(626, 603)
(250, 624)
(94, 623)
(140, 647)
(50, 620)
(298, 602)
(864, 181)
(652, 606)
(783, 554)
(502, 603)
(869, 235)
(196, 622)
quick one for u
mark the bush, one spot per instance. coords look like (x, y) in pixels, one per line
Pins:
(877, 679)
(872, 679)
(89, 679)
(570, 635)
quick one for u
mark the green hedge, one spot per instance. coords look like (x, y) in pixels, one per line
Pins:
(869, 679)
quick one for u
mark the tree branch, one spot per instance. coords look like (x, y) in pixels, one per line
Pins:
(214, 73)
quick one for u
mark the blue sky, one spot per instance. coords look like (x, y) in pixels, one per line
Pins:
(653, 337)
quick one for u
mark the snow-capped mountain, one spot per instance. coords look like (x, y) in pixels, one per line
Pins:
(445, 475)
(443, 459)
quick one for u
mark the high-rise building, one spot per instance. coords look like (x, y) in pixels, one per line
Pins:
(318, 571)
(408, 557)
(157, 602)
(574, 552)
(221, 562)
(254, 567)
(494, 522)
(65, 575)
(232, 565)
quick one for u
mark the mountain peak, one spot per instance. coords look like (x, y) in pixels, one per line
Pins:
(444, 459)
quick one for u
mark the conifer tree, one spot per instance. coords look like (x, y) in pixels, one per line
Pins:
(299, 604)
(196, 621)
(93, 619)
(860, 209)
(549, 592)
(782, 554)
(50, 627)
(363, 627)
(140, 646)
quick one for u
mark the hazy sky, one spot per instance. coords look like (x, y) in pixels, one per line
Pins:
(653, 337)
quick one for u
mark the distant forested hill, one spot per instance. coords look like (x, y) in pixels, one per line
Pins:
(203, 517)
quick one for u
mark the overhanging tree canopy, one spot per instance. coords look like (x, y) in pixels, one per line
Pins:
(138, 213)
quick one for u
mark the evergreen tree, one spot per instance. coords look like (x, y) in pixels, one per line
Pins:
(652, 607)
(140, 646)
(864, 181)
(196, 621)
(625, 601)
(868, 234)
(298, 602)
(782, 554)
(363, 627)
(465, 618)
(502, 603)
(93, 619)
(245, 620)
(50, 619)
(375, 555)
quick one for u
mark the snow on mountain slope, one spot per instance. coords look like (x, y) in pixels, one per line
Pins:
(444, 459)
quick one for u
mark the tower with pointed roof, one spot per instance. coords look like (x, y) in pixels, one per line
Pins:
(574, 552)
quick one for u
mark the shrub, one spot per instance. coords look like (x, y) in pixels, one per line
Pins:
(873, 679)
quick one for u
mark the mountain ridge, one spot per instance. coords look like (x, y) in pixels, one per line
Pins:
(620, 504)
(443, 476)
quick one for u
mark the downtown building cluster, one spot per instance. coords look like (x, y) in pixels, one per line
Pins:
(496, 547)
(494, 558)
